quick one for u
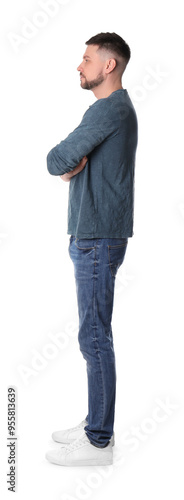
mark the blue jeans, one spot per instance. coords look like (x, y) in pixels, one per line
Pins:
(96, 262)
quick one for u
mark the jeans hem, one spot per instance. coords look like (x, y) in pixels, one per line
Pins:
(97, 445)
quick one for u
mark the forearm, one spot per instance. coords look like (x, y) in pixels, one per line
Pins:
(94, 128)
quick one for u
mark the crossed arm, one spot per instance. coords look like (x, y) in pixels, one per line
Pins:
(66, 177)
(69, 157)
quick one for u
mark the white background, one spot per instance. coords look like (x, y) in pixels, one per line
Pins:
(41, 102)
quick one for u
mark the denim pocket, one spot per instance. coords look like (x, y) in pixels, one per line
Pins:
(84, 244)
(116, 256)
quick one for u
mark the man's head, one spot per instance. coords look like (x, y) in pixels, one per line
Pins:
(105, 60)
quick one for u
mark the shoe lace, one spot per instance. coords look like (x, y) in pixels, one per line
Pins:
(76, 443)
(79, 427)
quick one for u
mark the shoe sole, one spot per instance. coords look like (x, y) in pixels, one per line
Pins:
(90, 462)
(83, 463)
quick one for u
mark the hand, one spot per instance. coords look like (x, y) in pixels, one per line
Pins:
(66, 177)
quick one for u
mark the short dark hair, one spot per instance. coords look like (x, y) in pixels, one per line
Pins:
(113, 42)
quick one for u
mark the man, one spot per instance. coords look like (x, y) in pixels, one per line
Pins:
(98, 158)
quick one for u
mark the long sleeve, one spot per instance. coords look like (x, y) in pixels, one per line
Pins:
(101, 197)
(94, 128)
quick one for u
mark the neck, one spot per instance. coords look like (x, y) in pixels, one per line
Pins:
(103, 90)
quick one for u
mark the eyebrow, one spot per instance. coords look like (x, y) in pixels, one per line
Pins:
(86, 56)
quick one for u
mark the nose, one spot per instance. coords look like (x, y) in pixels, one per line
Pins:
(80, 68)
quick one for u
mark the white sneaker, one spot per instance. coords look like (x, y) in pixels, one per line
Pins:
(69, 435)
(81, 452)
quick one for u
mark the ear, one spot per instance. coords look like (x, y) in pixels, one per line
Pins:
(110, 65)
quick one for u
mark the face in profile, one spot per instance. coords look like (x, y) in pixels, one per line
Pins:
(91, 69)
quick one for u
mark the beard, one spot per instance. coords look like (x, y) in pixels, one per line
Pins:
(88, 85)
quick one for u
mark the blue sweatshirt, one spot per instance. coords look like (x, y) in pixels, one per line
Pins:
(101, 196)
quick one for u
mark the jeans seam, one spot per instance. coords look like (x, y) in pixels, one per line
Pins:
(96, 340)
(110, 265)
